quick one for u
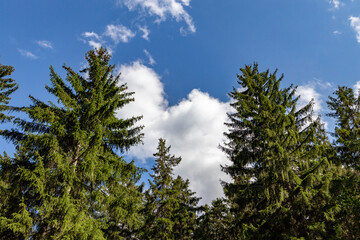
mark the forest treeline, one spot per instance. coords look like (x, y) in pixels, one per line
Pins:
(68, 178)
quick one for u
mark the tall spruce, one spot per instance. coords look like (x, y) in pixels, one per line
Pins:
(7, 87)
(170, 209)
(279, 181)
(345, 107)
(68, 179)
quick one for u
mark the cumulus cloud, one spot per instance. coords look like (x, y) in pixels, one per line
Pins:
(162, 9)
(45, 44)
(119, 33)
(194, 128)
(27, 54)
(355, 24)
(308, 93)
(357, 88)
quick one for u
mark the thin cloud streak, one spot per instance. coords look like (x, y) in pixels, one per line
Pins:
(151, 59)
(45, 44)
(27, 54)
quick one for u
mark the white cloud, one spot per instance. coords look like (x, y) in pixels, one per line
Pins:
(355, 24)
(94, 44)
(145, 32)
(94, 40)
(336, 32)
(320, 83)
(119, 33)
(186, 2)
(27, 54)
(114, 33)
(164, 8)
(45, 44)
(357, 88)
(335, 3)
(308, 93)
(151, 59)
(194, 128)
(91, 35)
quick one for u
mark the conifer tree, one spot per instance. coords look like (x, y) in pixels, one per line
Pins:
(345, 107)
(279, 183)
(7, 87)
(67, 179)
(215, 222)
(170, 209)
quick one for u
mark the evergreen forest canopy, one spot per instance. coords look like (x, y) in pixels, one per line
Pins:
(68, 178)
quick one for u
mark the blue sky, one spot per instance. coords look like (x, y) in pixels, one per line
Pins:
(181, 58)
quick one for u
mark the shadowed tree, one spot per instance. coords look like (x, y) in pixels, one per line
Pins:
(215, 222)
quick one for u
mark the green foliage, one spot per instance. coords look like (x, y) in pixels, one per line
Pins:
(67, 180)
(7, 87)
(345, 106)
(170, 209)
(215, 222)
(279, 183)
(346, 111)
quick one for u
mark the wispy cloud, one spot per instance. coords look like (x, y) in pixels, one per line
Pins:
(45, 44)
(113, 35)
(163, 9)
(336, 32)
(91, 35)
(335, 4)
(151, 59)
(93, 39)
(145, 32)
(27, 54)
(119, 33)
(320, 83)
(355, 24)
(94, 44)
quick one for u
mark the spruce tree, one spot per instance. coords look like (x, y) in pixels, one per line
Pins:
(68, 179)
(170, 209)
(7, 87)
(215, 222)
(279, 184)
(345, 107)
